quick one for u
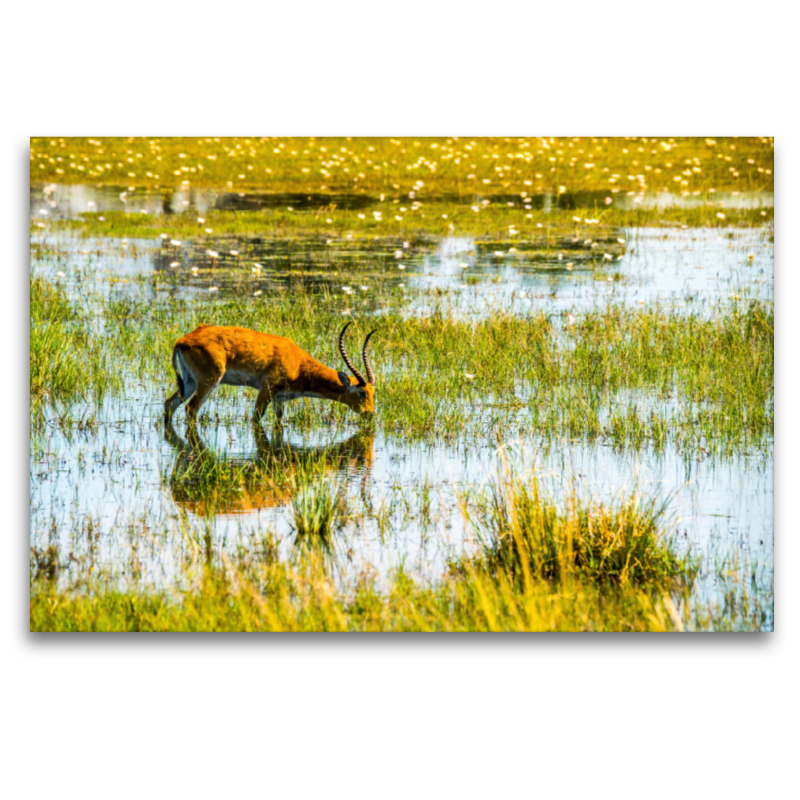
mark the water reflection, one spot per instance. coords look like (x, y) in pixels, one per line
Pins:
(206, 482)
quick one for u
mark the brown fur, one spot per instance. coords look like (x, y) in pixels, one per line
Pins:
(273, 363)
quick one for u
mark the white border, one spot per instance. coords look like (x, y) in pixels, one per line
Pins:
(389, 716)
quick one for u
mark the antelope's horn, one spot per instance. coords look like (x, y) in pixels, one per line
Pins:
(367, 365)
(362, 381)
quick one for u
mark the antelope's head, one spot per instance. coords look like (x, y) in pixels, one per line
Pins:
(359, 391)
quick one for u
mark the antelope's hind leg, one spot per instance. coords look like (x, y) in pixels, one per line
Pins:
(187, 385)
(171, 403)
(204, 389)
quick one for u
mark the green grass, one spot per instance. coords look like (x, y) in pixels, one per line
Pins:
(394, 166)
(627, 376)
(491, 224)
(317, 506)
(258, 592)
(65, 362)
(529, 534)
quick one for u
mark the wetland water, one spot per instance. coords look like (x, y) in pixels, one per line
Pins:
(108, 490)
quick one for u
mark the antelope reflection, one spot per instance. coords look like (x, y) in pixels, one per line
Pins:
(205, 482)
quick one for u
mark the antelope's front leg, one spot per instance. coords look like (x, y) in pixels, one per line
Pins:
(266, 396)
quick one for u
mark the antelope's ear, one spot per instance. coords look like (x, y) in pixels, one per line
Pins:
(345, 379)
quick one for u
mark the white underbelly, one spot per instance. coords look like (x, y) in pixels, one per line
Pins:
(235, 377)
(286, 396)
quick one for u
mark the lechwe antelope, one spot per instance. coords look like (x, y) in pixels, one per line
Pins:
(274, 365)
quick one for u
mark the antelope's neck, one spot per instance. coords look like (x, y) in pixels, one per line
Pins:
(316, 377)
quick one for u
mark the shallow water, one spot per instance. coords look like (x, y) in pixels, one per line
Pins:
(97, 492)
(105, 493)
(688, 269)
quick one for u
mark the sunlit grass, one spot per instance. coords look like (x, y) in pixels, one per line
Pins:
(419, 166)
(495, 221)
(529, 534)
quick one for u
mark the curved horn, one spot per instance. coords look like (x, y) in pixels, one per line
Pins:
(367, 365)
(362, 381)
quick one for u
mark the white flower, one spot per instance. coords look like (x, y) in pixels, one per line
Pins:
(201, 220)
(256, 294)
(469, 377)
(175, 264)
(213, 289)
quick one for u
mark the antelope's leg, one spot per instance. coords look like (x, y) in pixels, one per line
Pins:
(204, 389)
(265, 397)
(171, 403)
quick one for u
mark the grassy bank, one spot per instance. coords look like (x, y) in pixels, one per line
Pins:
(399, 165)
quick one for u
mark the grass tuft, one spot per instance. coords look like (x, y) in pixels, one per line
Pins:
(527, 534)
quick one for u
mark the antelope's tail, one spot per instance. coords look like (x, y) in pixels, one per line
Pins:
(177, 364)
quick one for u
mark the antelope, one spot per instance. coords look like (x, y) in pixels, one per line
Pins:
(273, 365)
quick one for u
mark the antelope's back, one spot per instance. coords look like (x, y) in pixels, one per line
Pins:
(244, 348)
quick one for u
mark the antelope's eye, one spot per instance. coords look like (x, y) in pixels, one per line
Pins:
(362, 394)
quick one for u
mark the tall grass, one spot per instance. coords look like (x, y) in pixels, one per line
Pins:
(274, 597)
(529, 535)
(318, 506)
